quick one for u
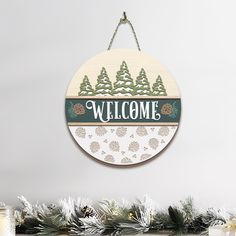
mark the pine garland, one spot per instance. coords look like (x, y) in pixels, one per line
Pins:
(77, 217)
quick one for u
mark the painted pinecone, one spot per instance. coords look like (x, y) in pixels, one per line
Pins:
(166, 109)
(78, 109)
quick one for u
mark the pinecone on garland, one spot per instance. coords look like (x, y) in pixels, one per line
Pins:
(78, 109)
(87, 211)
(52, 206)
(166, 109)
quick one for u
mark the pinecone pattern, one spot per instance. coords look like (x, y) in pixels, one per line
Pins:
(123, 145)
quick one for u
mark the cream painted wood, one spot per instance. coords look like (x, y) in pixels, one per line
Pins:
(130, 146)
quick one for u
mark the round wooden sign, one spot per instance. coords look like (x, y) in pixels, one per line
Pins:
(122, 107)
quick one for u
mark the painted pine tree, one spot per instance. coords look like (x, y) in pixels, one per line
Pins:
(158, 88)
(86, 88)
(124, 84)
(104, 85)
(142, 86)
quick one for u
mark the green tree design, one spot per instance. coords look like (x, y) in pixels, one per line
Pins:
(158, 88)
(124, 84)
(142, 86)
(86, 88)
(104, 85)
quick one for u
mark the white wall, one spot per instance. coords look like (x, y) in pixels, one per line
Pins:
(42, 44)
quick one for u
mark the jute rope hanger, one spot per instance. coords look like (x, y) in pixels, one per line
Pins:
(124, 20)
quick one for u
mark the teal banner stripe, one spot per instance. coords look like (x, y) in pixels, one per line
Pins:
(110, 110)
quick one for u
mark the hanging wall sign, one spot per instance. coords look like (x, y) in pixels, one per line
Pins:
(123, 107)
